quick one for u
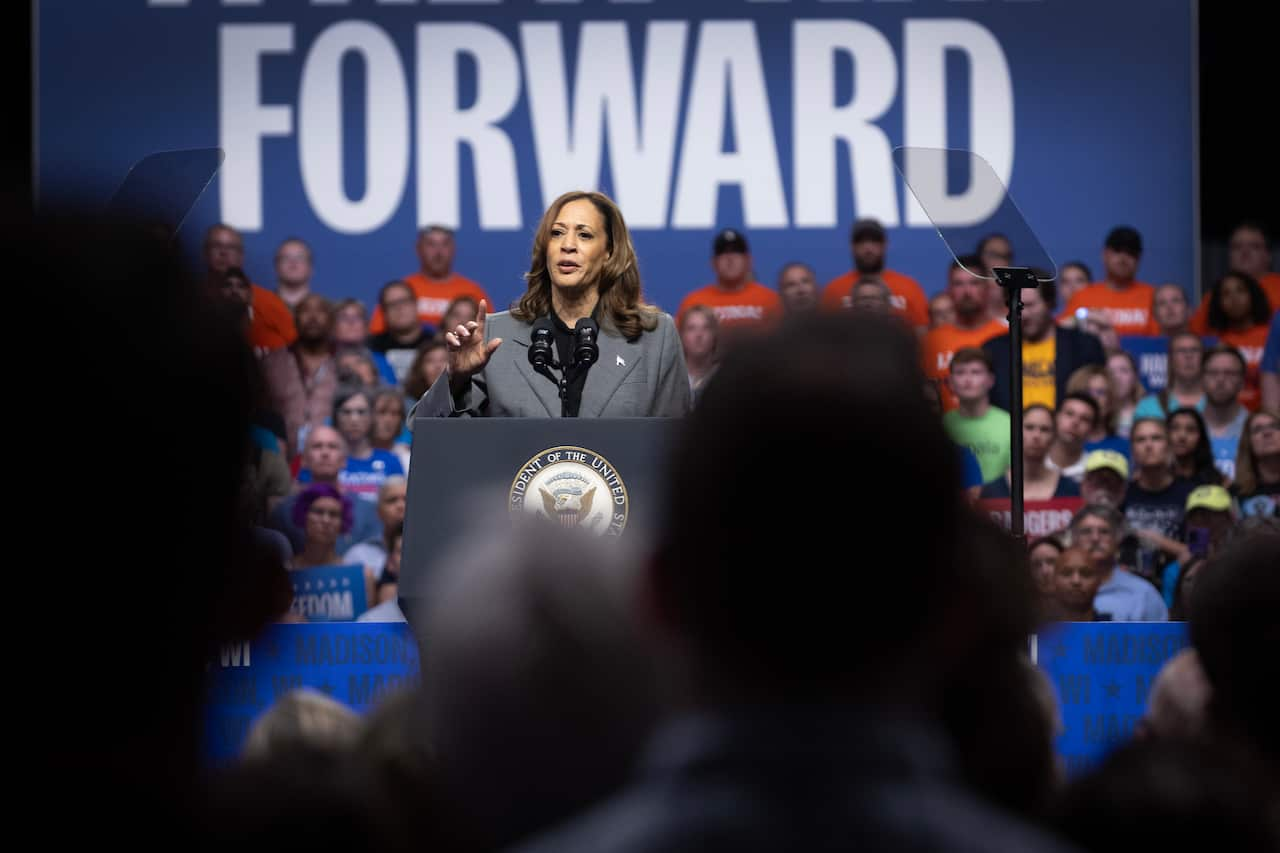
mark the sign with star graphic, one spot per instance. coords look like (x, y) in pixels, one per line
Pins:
(356, 663)
(1101, 673)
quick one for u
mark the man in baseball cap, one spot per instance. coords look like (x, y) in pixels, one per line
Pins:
(868, 242)
(1106, 476)
(738, 300)
(1120, 300)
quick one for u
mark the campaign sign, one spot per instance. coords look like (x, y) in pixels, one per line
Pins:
(1152, 356)
(329, 593)
(356, 663)
(1039, 518)
(1102, 674)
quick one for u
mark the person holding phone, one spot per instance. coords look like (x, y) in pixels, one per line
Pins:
(1209, 519)
(584, 268)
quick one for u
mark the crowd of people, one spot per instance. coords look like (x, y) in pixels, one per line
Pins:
(729, 686)
(1133, 401)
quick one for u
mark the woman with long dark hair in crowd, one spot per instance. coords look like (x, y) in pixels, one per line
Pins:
(1192, 452)
(1040, 482)
(1240, 315)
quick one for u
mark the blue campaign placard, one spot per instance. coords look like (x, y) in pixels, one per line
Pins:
(355, 663)
(1152, 356)
(329, 593)
(1102, 674)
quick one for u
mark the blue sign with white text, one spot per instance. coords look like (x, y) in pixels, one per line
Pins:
(329, 593)
(352, 124)
(1102, 673)
(357, 664)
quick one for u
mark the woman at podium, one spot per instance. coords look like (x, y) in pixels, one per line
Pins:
(580, 342)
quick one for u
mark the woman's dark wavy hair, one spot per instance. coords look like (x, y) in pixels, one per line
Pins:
(1206, 473)
(1259, 307)
(621, 300)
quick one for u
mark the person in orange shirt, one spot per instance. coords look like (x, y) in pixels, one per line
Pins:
(435, 284)
(869, 242)
(1240, 317)
(270, 320)
(1249, 252)
(1122, 300)
(738, 301)
(973, 326)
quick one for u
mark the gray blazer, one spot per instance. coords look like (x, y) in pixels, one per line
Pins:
(645, 378)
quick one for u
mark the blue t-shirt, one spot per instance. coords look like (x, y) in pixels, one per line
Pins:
(362, 478)
(1225, 445)
(1149, 407)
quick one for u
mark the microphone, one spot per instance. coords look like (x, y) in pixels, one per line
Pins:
(541, 343)
(586, 350)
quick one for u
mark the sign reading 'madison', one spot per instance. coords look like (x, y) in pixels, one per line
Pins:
(647, 108)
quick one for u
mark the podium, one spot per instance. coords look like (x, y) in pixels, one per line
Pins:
(602, 474)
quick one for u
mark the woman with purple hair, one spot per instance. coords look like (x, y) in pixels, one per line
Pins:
(324, 513)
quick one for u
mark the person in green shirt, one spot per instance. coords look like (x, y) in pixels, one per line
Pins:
(977, 424)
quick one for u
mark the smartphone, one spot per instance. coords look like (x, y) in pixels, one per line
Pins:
(1198, 541)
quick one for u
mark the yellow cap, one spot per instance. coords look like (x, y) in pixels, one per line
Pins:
(1215, 498)
(1099, 459)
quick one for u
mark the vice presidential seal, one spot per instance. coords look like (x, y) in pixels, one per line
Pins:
(571, 487)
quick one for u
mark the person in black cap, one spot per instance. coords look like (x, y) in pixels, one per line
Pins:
(1119, 301)
(868, 242)
(739, 301)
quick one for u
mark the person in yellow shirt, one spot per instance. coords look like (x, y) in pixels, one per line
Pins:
(1050, 353)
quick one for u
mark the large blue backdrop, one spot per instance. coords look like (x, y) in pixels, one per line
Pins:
(350, 123)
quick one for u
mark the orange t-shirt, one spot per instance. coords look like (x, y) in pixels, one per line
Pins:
(940, 344)
(1270, 286)
(1128, 310)
(753, 305)
(1251, 343)
(271, 327)
(904, 292)
(434, 298)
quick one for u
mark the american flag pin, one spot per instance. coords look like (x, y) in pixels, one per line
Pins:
(621, 363)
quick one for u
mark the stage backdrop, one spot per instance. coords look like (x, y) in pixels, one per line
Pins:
(350, 123)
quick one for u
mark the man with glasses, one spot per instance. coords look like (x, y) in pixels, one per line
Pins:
(1122, 596)
(405, 332)
(1224, 369)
